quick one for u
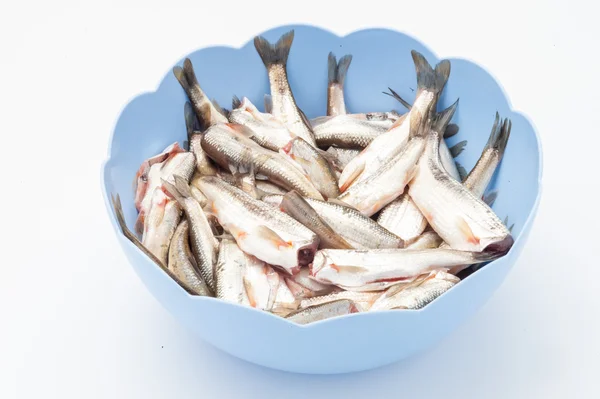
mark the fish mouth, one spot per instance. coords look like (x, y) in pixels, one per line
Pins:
(306, 254)
(500, 248)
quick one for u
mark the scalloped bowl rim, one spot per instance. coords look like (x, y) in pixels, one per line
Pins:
(530, 218)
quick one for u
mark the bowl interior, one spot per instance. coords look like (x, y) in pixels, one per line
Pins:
(381, 59)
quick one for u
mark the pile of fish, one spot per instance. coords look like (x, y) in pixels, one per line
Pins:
(312, 219)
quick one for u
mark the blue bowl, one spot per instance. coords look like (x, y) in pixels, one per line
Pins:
(382, 58)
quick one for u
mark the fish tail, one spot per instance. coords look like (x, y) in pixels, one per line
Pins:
(430, 79)
(442, 119)
(499, 135)
(236, 102)
(277, 53)
(462, 172)
(337, 70)
(190, 75)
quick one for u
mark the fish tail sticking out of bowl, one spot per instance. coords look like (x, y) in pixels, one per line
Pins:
(360, 213)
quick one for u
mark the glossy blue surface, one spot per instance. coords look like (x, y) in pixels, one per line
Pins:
(382, 58)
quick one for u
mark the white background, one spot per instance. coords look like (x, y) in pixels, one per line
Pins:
(77, 322)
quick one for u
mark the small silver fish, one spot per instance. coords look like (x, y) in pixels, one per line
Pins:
(182, 262)
(354, 131)
(302, 285)
(294, 205)
(204, 244)
(335, 88)
(418, 295)
(260, 230)
(362, 300)
(353, 269)
(323, 311)
(284, 107)
(261, 283)
(480, 176)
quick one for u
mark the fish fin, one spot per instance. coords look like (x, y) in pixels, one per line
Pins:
(451, 130)
(458, 148)
(277, 53)
(191, 120)
(428, 78)
(499, 135)
(510, 229)
(269, 235)
(462, 172)
(259, 176)
(490, 198)
(180, 76)
(337, 70)
(466, 230)
(171, 191)
(221, 110)
(443, 118)
(236, 102)
(505, 221)
(268, 103)
(190, 75)
(224, 236)
(397, 97)
(241, 129)
(249, 291)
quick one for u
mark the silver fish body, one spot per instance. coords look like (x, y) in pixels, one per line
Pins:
(182, 263)
(323, 311)
(229, 273)
(354, 131)
(260, 230)
(357, 229)
(227, 146)
(204, 165)
(297, 207)
(429, 239)
(353, 269)
(418, 295)
(362, 300)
